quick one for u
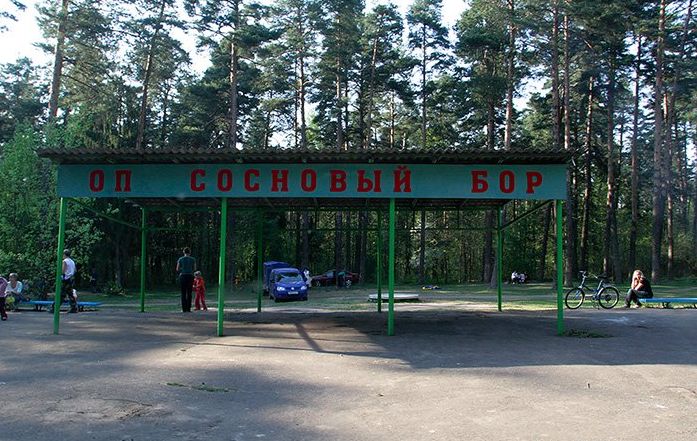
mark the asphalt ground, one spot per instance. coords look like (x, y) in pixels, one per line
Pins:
(452, 372)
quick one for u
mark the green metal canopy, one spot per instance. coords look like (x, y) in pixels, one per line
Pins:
(372, 180)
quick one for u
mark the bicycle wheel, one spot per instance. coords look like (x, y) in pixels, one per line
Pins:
(608, 297)
(574, 298)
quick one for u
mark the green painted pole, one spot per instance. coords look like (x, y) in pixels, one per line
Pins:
(221, 266)
(59, 265)
(499, 258)
(260, 259)
(390, 269)
(560, 279)
(378, 260)
(143, 243)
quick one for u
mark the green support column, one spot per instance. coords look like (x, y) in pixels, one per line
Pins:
(560, 278)
(378, 260)
(499, 258)
(143, 243)
(221, 266)
(260, 259)
(390, 269)
(59, 265)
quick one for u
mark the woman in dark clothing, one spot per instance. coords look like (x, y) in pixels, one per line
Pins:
(186, 266)
(640, 289)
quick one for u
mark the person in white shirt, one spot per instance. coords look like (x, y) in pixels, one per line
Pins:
(69, 270)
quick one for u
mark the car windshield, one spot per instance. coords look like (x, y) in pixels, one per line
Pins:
(289, 277)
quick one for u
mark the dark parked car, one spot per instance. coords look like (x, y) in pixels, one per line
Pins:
(328, 278)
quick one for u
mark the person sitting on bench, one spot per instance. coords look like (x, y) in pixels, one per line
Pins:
(15, 288)
(3, 285)
(640, 289)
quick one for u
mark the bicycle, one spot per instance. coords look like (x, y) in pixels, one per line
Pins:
(605, 294)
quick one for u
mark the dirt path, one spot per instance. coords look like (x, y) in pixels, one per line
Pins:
(448, 375)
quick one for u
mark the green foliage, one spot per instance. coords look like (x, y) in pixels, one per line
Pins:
(26, 207)
(361, 80)
(20, 97)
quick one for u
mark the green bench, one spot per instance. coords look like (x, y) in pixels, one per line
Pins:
(666, 301)
(40, 304)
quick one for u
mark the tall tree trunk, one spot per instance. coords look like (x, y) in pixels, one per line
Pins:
(669, 140)
(570, 264)
(610, 246)
(588, 187)
(658, 201)
(423, 87)
(152, 45)
(683, 178)
(296, 106)
(422, 248)
(371, 96)
(348, 246)
(302, 91)
(338, 247)
(488, 257)
(491, 125)
(670, 235)
(555, 75)
(392, 120)
(347, 116)
(422, 235)
(233, 110)
(694, 207)
(633, 229)
(545, 241)
(510, 74)
(58, 59)
(305, 256)
(339, 112)
(298, 237)
(165, 108)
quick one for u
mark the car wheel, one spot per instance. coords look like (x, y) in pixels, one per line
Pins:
(348, 283)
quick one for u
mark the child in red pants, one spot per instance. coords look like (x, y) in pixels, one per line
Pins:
(200, 291)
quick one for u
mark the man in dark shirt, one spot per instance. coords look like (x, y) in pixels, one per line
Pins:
(640, 289)
(186, 266)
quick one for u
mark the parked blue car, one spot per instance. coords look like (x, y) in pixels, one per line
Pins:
(287, 284)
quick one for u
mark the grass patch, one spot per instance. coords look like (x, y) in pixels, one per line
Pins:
(580, 333)
(527, 297)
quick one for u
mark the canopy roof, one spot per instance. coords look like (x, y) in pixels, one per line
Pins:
(82, 156)
(183, 155)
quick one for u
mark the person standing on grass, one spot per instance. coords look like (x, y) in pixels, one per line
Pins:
(640, 289)
(186, 266)
(200, 292)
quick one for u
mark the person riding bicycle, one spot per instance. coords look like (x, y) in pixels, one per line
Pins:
(640, 289)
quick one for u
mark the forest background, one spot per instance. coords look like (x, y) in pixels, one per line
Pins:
(611, 82)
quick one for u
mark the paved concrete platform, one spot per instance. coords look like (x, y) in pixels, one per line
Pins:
(448, 375)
